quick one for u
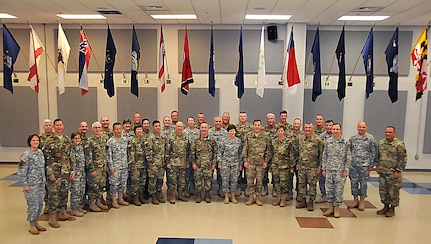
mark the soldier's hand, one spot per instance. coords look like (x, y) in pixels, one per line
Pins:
(168, 166)
(397, 174)
(23, 159)
(292, 171)
(72, 177)
(370, 169)
(265, 164)
(240, 168)
(246, 165)
(195, 166)
(93, 173)
(344, 174)
(26, 188)
(187, 165)
(219, 166)
(52, 178)
(112, 171)
(297, 167)
(154, 168)
(213, 166)
(324, 173)
(318, 170)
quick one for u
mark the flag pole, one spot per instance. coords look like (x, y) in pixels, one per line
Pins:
(46, 70)
(378, 66)
(308, 63)
(354, 68)
(330, 67)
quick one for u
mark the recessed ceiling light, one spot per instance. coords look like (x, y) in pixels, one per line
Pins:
(81, 16)
(268, 16)
(363, 18)
(7, 16)
(174, 16)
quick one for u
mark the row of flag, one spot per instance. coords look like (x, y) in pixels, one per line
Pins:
(292, 78)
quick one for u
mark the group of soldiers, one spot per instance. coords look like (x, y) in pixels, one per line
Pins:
(129, 163)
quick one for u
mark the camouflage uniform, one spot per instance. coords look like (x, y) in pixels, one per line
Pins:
(241, 131)
(255, 151)
(364, 149)
(95, 153)
(295, 142)
(31, 173)
(178, 155)
(391, 157)
(204, 155)
(190, 178)
(319, 131)
(60, 162)
(155, 153)
(218, 136)
(138, 165)
(272, 133)
(77, 187)
(310, 156)
(325, 136)
(283, 160)
(128, 135)
(116, 155)
(336, 159)
(166, 133)
(43, 138)
(229, 156)
(289, 128)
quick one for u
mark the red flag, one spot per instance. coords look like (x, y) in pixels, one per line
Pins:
(162, 53)
(419, 55)
(187, 76)
(292, 75)
(36, 49)
(84, 61)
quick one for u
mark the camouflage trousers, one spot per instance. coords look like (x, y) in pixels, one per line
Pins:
(34, 199)
(359, 176)
(118, 181)
(155, 179)
(177, 178)
(280, 177)
(77, 191)
(254, 172)
(322, 184)
(334, 186)
(96, 184)
(308, 177)
(58, 193)
(203, 178)
(290, 182)
(229, 174)
(389, 189)
(139, 178)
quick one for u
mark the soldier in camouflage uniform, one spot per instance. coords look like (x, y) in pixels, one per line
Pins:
(283, 162)
(218, 133)
(364, 149)
(335, 167)
(204, 157)
(138, 166)
(174, 117)
(116, 157)
(167, 129)
(256, 155)
(310, 147)
(283, 121)
(47, 132)
(106, 131)
(192, 133)
(155, 153)
(325, 136)
(95, 159)
(225, 120)
(242, 128)
(271, 130)
(77, 187)
(31, 172)
(127, 129)
(136, 120)
(83, 129)
(60, 170)
(391, 160)
(296, 134)
(178, 159)
(319, 128)
(230, 161)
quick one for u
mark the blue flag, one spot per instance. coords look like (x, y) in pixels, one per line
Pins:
(317, 76)
(392, 61)
(211, 69)
(111, 51)
(10, 54)
(368, 57)
(340, 53)
(239, 78)
(136, 55)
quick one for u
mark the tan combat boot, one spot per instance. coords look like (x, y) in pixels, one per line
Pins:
(136, 200)
(383, 210)
(207, 197)
(258, 201)
(32, 229)
(53, 220)
(142, 198)
(250, 200)
(172, 198)
(330, 210)
(390, 212)
(361, 206)
(277, 201)
(336, 211)
(199, 197)
(355, 202)
(233, 199)
(301, 203)
(93, 207)
(76, 213)
(154, 199)
(81, 209)
(64, 216)
(226, 198)
(39, 227)
(160, 197)
(181, 196)
(121, 200)
(101, 205)
(283, 200)
(115, 202)
(310, 205)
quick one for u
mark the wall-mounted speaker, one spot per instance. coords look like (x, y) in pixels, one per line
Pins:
(272, 32)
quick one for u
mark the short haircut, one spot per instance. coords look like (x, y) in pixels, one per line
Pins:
(230, 127)
(136, 127)
(338, 125)
(257, 120)
(126, 120)
(74, 134)
(329, 121)
(56, 120)
(280, 126)
(283, 112)
(95, 123)
(391, 126)
(145, 119)
(156, 122)
(47, 121)
(270, 114)
(31, 137)
(116, 123)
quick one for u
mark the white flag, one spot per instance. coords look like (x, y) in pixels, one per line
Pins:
(36, 49)
(63, 56)
(261, 81)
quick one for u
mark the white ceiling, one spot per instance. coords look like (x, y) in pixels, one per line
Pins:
(313, 12)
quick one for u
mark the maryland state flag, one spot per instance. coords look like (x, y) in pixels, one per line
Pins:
(187, 76)
(419, 55)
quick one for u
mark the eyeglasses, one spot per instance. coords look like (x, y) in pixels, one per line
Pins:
(97, 127)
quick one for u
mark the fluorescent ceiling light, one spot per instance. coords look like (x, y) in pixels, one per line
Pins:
(174, 16)
(268, 16)
(81, 16)
(363, 18)
(7, 16)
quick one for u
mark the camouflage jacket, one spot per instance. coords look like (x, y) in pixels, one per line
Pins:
(178, 150)
(336, 155)
(95, 153)
(31, 168)
(283, 153)
(136, 153)
(204, 151)
(59, 156)
(391, 156)
(116, 153)
(155, 150)
(256, 148)
(310, 151)
(364, 150)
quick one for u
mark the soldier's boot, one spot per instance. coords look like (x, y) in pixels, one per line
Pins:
(330, 210)
(250, 200)
(238, 192)
(136, 200)
(93, 207)
(154, 199)
(101, 205)
(258, 201)
(336, 211)
(226, 198)
(115, 203)
(53, 220)
(199, 197)
(355, 203)
(76, 212)
(232, 198)
(283, 200)
(301, 203)
(181, 196)
(322, 199)
(383, 210)
(109, 198)
(220, 191)
(45, 209)
(142, 198)
(310, 205)
(81, 209)
(274, 192)
(121, 200)
(38, 226)
(277, 202)
(289, 195)
(64, 216)
(361, 206)
(265, 190)
(32, 229)
(207, 197)
(160, 197)
(390, 212)
(187, 191)
(172, 199)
